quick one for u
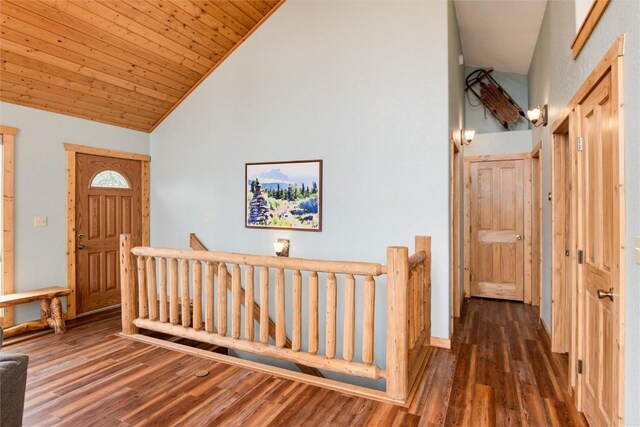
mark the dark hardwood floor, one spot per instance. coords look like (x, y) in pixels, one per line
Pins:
(499, 372)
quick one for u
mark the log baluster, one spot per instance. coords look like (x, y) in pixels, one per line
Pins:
(236, 313)
(264, 305)
(143, 309)
(369, 296)
(162, 271)
(222, 299)
(423, 243)
(209, 292)
(296, 296)
(248, 303)
(332, 296)
(349, 317)
(313, 312)
(420, 302)
(184, 286)
(197, 295)
(173, 295)
(281, 332)
(411, 308)
(152, 290)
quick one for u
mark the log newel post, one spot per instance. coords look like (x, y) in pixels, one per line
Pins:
(423, 244)
(397, 323)
(127, 286)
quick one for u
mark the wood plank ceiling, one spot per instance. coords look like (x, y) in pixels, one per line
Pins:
(124, 62)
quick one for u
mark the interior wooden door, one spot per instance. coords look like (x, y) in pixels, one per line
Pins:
(108, 203)
(600, 268)
(497, 229)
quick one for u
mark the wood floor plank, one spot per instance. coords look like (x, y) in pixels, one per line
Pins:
(500, 371)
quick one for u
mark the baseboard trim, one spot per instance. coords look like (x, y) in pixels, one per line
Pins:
(546, 330)
(441, 342)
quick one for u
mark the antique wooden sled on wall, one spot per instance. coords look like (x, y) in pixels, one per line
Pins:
(493, 96)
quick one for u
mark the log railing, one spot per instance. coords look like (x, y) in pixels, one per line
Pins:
(185, 294)
(247, 300)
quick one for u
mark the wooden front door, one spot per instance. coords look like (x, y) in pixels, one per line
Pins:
(108, 203)
(600, 268)
(497, 229)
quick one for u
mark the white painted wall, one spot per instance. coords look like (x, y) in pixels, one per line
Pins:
(581, 9)
(512, 142)
(361, 85)
(40, 189)
(553, 78)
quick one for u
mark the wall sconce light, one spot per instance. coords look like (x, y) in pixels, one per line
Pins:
(538, 116)
(281, 246)
(469, 134)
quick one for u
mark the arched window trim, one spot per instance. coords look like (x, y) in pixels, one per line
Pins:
(111, 179)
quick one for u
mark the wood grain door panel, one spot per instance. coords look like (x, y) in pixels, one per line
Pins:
(102, 214)
(601, 235)
(497, 219)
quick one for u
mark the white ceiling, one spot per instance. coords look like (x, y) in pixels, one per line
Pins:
(499, 33)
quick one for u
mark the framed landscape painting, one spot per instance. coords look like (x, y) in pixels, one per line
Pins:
(284, 195)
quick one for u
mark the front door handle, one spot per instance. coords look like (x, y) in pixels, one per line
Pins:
(518, 237)
(81, 246)
(605, 294)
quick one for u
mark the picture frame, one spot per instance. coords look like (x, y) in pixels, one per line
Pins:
(284, 195)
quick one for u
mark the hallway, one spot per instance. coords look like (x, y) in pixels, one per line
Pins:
(505, 373)
(502, 374)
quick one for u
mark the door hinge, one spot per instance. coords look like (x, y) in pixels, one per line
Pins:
(580, 366)
(580, 257)
(567, 253)
(580, 143)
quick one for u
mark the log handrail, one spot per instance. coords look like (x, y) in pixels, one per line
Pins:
(416, 259)
(319, 266)
(196, 244)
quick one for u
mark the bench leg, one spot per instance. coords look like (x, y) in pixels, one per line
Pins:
(56, 316)
(45, 310)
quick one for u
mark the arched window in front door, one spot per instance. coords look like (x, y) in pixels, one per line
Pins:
(110, 179)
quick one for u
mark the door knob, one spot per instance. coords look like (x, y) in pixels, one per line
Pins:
(605, 294)
(518, 237)
(81, 246)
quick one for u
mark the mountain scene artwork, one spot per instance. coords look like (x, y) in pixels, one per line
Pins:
(284, 195)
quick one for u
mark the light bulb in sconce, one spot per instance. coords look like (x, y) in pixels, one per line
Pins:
(469, 134)
(533, 115)
(281, 247)
(538, 116)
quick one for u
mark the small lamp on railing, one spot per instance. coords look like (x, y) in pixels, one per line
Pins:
(281, 246)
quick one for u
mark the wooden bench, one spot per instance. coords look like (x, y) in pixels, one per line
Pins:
(51, 314)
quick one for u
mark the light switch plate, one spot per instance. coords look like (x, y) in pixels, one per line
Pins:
(40, 221)
(638, 250)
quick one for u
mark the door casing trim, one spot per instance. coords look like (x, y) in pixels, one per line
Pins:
(72, 151)
(611, 62)
(454, 225)
(8, 134)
